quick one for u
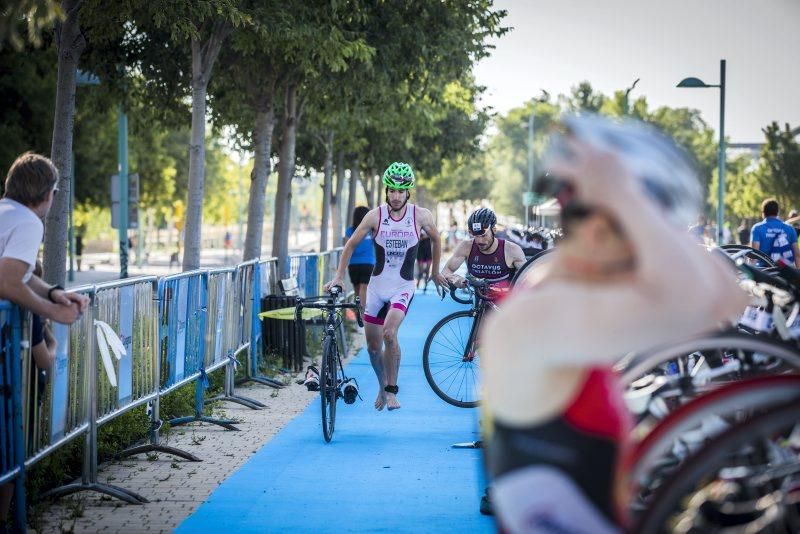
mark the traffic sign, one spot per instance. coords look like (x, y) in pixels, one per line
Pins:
(133, 201)
(528, 198)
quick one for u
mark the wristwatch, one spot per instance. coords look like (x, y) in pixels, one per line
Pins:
(50, 293)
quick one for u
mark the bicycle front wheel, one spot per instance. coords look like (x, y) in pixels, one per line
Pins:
(328, 386)
(451, 362)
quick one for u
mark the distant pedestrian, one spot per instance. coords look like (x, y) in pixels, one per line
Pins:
(774, 237)
(793, 220)
(424, 258)
(700, 230)
(362, 262)
(79, 249)
(743, 232)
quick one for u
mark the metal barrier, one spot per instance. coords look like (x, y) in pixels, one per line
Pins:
(224, 333)
(183, 307)
(59, 412)
(12, 436)
(128, 308)
(305, 268)
(173, 331)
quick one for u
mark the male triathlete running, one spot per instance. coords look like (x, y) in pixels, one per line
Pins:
(624, 278)
(488, 257)
(395, 227)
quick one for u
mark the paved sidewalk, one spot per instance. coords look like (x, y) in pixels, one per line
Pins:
(174, 486)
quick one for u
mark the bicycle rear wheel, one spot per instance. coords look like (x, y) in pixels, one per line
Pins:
(687, 429)
(451, 361)
(749, 467)
(532, 264)
(328, 386)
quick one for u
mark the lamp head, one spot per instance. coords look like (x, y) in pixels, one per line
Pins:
(693, 82)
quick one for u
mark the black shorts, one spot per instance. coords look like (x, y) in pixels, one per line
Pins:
(360, 273)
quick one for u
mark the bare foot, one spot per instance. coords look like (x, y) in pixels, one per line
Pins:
(391, 402)
(380, 402)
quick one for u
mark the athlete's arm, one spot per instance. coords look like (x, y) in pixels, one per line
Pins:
(796, 252)
(425, 218)
(515, 258)
(602, 180)
(459, 255)
(456, 260)
(367, 225)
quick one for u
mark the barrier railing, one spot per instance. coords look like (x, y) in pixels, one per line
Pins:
(124, 377)
(12, 446)
(139, 340)
(224, 333)
(183, 300)
(264, 278)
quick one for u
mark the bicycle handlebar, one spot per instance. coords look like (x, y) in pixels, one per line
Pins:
(478, 285)
(327, 302)
(759, 276)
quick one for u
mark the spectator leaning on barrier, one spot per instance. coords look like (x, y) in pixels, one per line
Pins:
(29, 189)
(774, 237)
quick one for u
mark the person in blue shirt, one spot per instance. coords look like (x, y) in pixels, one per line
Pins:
(774, 237)
(363, 260)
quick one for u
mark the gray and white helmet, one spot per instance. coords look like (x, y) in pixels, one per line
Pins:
(666, 171)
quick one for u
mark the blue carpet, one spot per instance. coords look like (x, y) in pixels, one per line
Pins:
(383, 471)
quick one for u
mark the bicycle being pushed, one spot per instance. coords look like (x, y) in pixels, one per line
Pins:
(333, 383)
(451, 358)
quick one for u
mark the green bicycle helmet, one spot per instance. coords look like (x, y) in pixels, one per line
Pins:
(399, 176)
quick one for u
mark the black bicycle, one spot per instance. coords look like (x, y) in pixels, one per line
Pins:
(331, 374)
(450, 357)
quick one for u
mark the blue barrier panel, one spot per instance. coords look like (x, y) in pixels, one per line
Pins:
(255, 328)
(59, 376)
(125, 377)
(182, 330)
(182, 323)
(311, 275)
(12, 446)
(130, 309)
(224, 334)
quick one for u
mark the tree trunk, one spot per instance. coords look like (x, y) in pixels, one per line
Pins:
(336, 202)
(352, 193)
(203, 57)
(327, 187)
(367, 184)
(265, 123)
(283, 197)
(71, 44)
(376, 188)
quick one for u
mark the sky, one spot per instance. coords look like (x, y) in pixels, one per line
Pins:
(556, 44)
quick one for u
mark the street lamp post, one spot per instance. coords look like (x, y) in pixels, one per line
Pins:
(81, 78)
(529, 206)
(694, 83)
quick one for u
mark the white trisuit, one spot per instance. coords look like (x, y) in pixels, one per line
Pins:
(392, 282)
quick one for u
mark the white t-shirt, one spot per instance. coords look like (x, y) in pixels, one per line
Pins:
(21, 234)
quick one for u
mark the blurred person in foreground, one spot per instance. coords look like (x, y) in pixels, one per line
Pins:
(555, 420)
